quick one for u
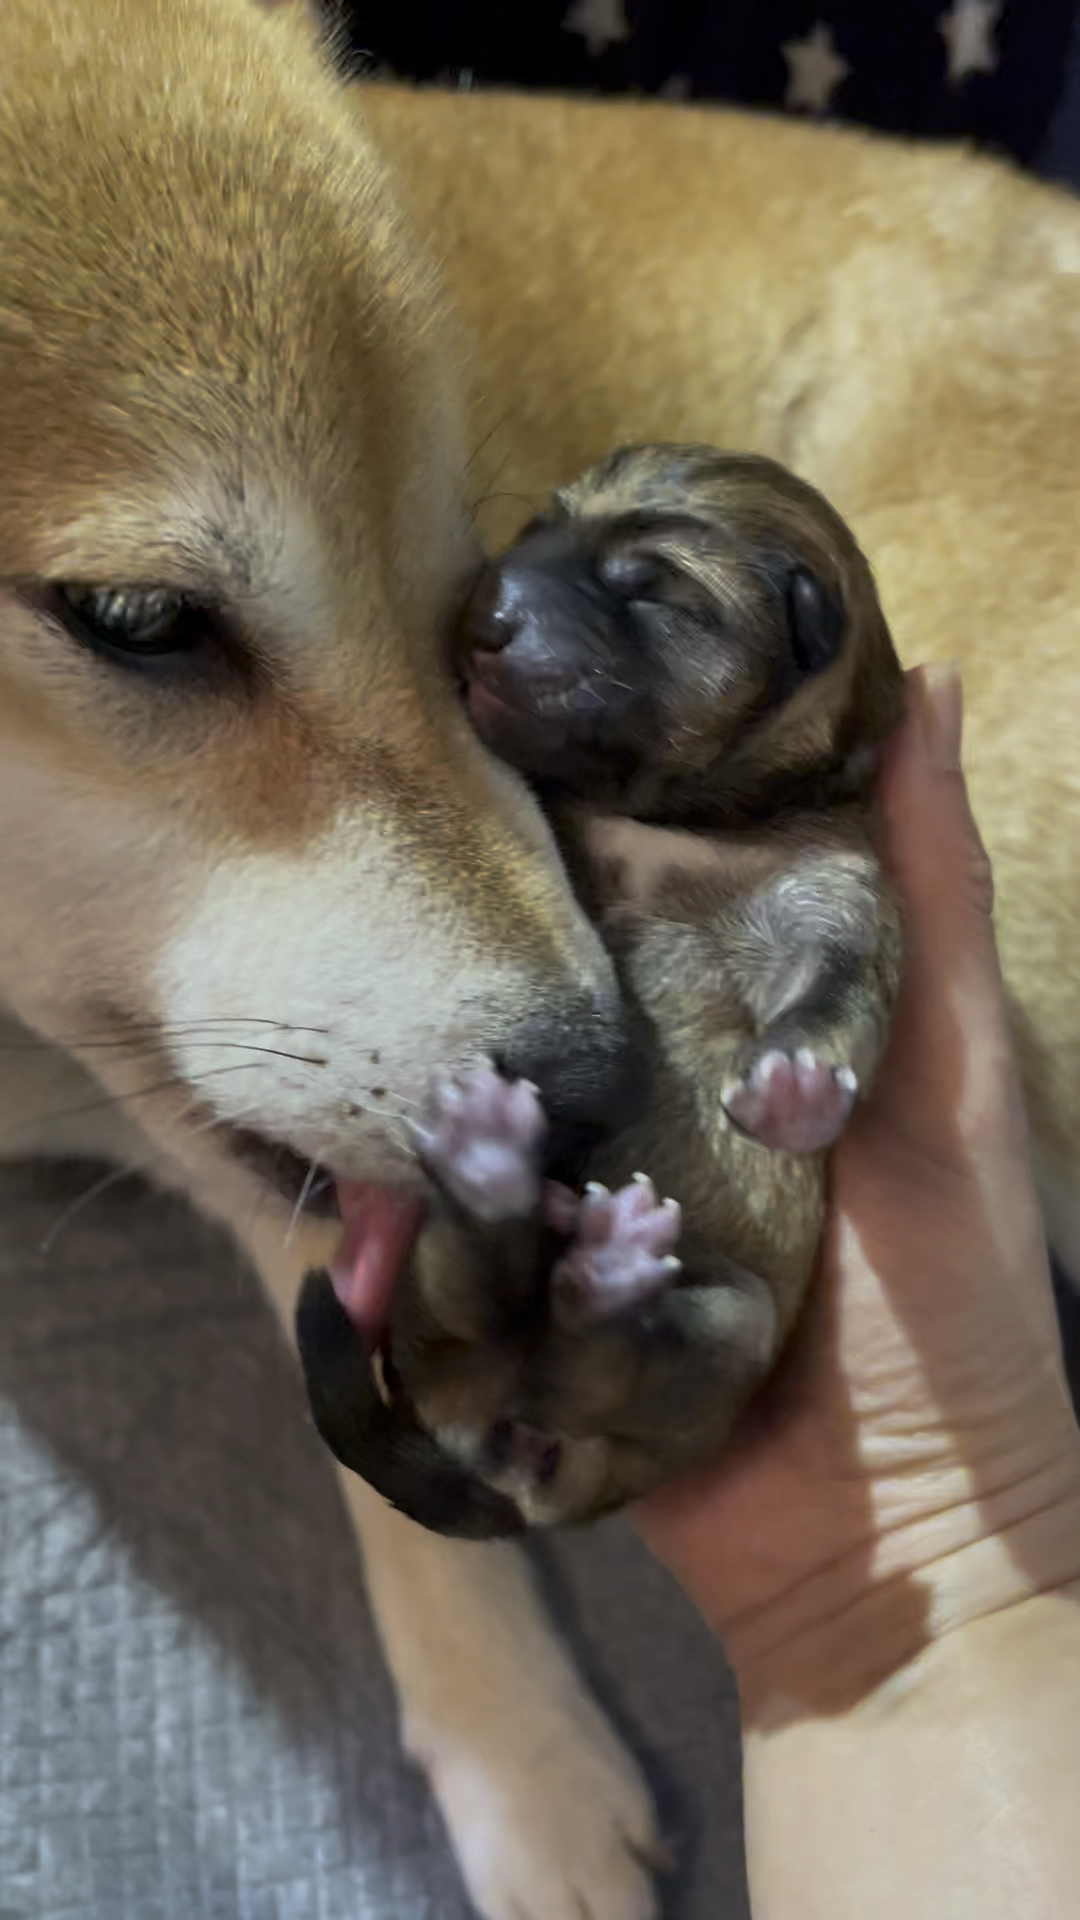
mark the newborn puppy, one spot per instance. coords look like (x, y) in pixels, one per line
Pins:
(686, 654)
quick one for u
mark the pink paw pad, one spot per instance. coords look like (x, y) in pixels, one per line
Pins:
(793, 1103)
(623, 1253)
(481, 1139)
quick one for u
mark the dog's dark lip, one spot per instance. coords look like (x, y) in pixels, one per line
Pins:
(298, 1181)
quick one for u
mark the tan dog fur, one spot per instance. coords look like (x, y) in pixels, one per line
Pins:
(225, 364)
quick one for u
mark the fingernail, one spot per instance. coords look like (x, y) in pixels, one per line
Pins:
(942, 716)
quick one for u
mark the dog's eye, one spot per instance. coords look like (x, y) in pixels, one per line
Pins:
(133, 623)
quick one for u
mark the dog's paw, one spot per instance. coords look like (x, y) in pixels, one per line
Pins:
(480, 1139)
(792, 1102)
(622, 1253)
(566, 1831)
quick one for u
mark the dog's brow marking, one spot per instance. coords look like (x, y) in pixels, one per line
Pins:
(258, 550)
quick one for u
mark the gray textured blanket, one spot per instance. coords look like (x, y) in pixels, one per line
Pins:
(195, 1723)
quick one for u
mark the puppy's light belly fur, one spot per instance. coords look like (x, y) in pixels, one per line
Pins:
(904, 326)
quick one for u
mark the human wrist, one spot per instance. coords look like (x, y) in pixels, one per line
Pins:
(830, 1639)
(948, 1789)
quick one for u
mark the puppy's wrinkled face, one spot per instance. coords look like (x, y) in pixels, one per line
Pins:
(447, 1430)
(555, 1456)
(256, 868)
(544, 1422)
(680, 621)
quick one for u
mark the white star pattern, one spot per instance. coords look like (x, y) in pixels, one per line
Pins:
(599, 22)
(455, 80)
(968, 32)
(370, 69)
(815, 69)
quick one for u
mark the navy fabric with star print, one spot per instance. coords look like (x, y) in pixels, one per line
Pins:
(978, 69)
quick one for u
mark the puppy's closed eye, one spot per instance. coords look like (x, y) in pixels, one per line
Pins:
(816, 620)
(649, 577)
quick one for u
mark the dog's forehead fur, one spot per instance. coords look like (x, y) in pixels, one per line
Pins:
(205, 267)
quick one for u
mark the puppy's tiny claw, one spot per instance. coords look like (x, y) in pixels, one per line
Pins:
(378, 1374)
(621, 1256)
(596, 1190)
(448, 1095)
(791, 1103)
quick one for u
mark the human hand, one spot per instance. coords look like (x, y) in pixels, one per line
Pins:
(916, 1462)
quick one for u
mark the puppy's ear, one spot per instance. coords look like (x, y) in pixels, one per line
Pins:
(816, 619)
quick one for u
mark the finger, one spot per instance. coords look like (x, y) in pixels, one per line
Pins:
(932, 842)
(950, 1073)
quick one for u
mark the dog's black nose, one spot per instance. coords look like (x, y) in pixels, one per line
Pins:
(590, 1065)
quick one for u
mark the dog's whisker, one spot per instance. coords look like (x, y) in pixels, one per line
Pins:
(132, 1169)
(485, 442)
(507, 493)
(379, 1111)
(71, 1212)
(231, 1020)
(237, 1046)
(153, 1030)
(484, 497)
(276, 1053)
(136, 1169)
(142, 1093)
(302, 1199)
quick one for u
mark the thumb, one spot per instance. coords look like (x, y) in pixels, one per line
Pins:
(950, 1070)
(932, 843)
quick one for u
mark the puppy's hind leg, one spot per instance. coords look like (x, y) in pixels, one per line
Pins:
(699, 1344)
(816, 952)
(549, 1816)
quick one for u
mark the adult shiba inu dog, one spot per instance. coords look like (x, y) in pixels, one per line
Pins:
(264, 344)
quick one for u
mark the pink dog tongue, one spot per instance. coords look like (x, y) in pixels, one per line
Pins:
(380, 1225)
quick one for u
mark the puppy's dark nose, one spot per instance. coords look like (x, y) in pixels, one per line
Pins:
(533, 624)
(590, 1065)
(535, 664)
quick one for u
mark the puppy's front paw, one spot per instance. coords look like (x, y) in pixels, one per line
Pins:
(480, 1139)
(560, 1831)
(792, 1102)
(622, 1253)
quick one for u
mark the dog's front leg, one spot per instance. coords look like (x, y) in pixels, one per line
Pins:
(548, 1814)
